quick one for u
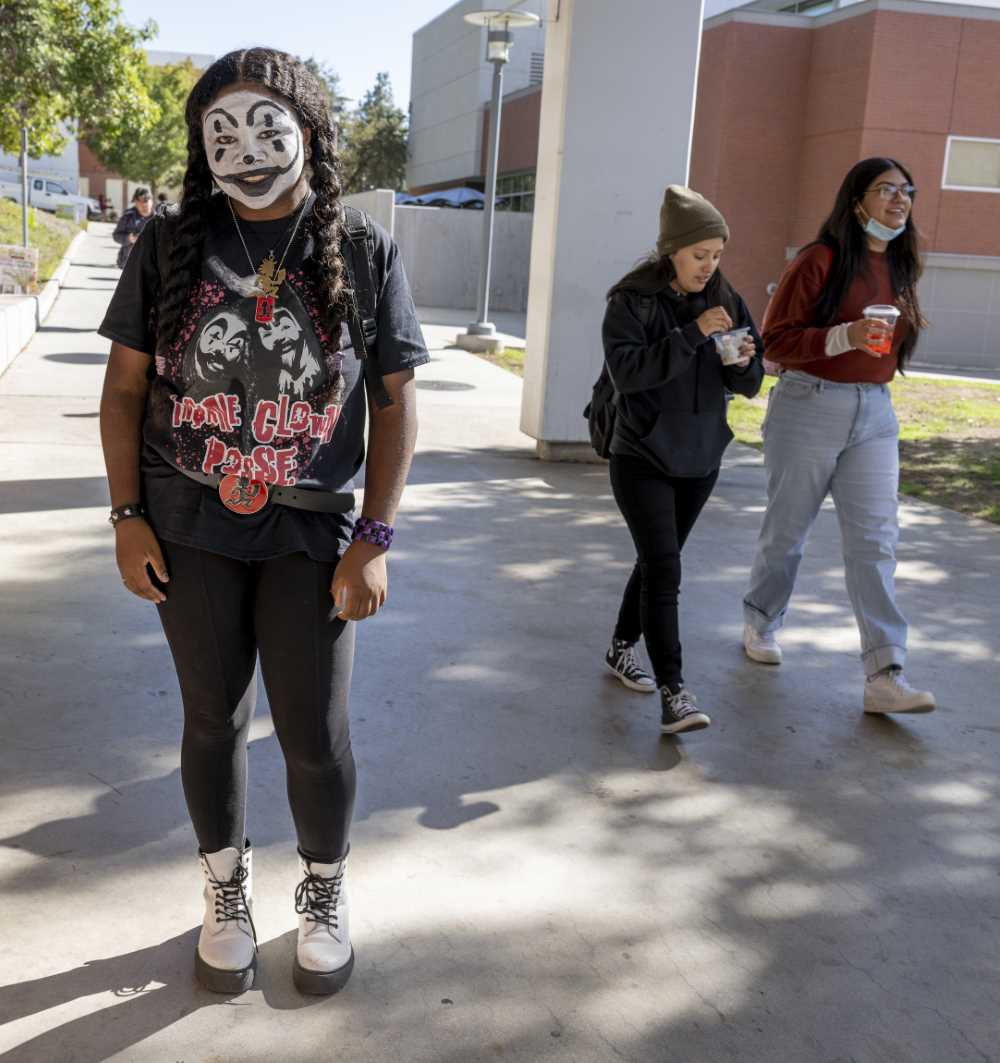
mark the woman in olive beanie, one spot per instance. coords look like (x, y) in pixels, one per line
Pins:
(670, 432)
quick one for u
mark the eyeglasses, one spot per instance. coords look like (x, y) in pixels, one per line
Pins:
(889, 191)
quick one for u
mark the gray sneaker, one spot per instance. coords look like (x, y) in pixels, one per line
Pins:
(680, 713)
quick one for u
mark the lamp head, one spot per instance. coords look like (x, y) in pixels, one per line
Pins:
(498, 44)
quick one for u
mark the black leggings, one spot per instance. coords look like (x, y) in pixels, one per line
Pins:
(218, 614)
(660, 512)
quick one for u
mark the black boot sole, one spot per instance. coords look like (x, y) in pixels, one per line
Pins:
(218, 980)
(322, 983)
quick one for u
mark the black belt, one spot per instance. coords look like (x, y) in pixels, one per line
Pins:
(295, 497)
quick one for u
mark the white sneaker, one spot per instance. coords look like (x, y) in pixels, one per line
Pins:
(324, 957)
(763, 649)
(226, 959)
(890, 692)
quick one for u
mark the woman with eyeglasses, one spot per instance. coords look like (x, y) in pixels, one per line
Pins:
(830, 426)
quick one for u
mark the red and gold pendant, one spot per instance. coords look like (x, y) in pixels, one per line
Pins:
(242, 495)
(265, 309)
(269, 279)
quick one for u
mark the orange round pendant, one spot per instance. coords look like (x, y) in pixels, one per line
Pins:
(241, 495)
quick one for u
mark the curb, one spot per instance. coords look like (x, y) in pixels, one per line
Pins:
(22, 316)
(47, 296)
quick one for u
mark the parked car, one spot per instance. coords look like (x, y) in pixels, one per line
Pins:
(47, 194)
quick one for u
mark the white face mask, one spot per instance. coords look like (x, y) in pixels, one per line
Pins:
(254, 147)
(883, 232)
(876, 228)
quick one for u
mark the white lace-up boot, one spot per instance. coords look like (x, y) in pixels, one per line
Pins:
(226, 960)
(324, 957)
(890, 692)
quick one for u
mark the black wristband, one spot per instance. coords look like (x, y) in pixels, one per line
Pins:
(126, 512)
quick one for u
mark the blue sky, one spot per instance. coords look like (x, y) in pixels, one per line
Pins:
(357, 39)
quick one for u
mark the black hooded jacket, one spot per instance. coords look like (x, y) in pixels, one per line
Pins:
(671, 384)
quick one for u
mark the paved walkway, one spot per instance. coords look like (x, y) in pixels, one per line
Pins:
(536, 874)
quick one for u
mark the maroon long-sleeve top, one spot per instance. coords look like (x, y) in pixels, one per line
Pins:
(791, 336)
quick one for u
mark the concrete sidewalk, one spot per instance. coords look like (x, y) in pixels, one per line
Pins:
(536, 874)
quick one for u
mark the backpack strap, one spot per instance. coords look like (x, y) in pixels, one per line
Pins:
(358, 249)
(164, 218)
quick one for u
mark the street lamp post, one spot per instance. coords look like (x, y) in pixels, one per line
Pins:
(24, 184)
(481, 334)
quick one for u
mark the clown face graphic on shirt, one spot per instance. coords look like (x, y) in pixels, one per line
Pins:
(300, 368)
(254, 145)
(221, 346)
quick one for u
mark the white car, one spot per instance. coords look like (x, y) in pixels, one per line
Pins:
(47, 194)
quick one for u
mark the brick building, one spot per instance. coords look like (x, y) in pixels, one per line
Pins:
(787, 103)
(790, 96)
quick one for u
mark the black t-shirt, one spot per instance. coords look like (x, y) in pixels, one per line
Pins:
(276, 401)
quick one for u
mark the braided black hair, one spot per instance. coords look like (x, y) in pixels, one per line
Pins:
(290, 79)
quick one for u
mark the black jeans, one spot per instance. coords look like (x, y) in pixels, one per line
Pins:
(660, 512)
(218, 614)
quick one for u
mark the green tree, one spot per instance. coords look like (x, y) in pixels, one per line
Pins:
(374, 148)
(159, 153)
(329, 79)
(65, 62)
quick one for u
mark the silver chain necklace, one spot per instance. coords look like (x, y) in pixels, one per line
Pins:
(269, 277)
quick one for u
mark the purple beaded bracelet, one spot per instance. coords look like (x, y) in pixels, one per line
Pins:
(373, 531)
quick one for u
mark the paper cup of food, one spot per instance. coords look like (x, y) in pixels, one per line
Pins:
(728, 344)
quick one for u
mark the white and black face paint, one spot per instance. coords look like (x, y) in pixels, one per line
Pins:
(254, 147)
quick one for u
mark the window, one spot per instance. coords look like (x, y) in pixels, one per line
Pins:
(972, 164)
(536, 73)
(516, 192)
(39, 185)
(51, 186)
(813, 8)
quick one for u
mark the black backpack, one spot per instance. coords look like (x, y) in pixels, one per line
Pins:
(602, 409)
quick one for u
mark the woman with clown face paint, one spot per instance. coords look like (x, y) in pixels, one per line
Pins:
(231, 469)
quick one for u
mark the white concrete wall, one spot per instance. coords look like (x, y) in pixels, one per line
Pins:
(450, 82)
(442, 251)
(379, 204)
(615, 131)
(18, 319)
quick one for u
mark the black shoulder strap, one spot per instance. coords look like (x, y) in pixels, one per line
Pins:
(164, 219)
(361, 267)
(363, 322)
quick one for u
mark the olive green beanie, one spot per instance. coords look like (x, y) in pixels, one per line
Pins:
(687, 218)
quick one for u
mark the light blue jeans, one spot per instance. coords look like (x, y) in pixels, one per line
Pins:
(822, 437)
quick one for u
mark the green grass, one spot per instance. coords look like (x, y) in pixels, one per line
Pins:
(51, 235)
(510, 358)
(949, 437)
(949, 432)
